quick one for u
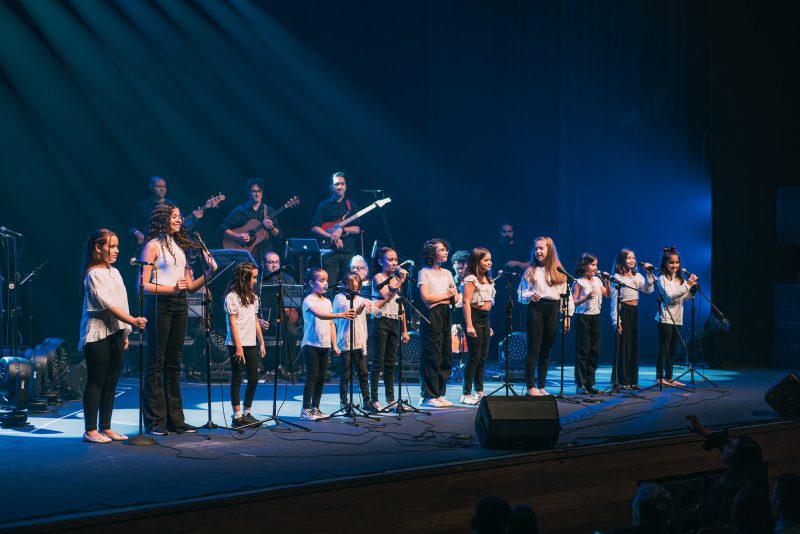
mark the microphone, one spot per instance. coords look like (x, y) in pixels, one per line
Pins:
(407, 262)
(134, 261)
(202, 243)
(374, 249)
(274, 273)
(642, 264)
(604, 275)
(684, 271)
(393, 275)
(372, 190)
(4, 230)
(501, 272)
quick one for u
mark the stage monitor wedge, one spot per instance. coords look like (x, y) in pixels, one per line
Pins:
(523, 422)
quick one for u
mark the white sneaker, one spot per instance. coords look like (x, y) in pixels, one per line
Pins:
(469, 400)
(443, 400)
(431, 403)
(308, 415)
(319, 413)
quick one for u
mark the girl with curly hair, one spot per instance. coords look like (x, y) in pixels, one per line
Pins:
(166, 281)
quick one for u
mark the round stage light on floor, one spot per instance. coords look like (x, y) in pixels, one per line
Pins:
(15, 374)
(517, 350)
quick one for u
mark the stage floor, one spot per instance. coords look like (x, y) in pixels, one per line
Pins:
(50, 474)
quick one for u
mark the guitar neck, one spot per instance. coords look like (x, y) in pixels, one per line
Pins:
(362, 212)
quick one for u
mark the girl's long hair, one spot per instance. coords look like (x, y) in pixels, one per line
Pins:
(474, 265)
(665, 256)
(550, 265)
(619, 264)
(158, 228)
(239, 283)
(99, 236)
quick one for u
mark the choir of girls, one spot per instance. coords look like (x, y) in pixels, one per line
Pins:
(341, 326)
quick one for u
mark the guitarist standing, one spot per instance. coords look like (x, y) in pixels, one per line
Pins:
(342, 239)
(254, 209)
(141, 213)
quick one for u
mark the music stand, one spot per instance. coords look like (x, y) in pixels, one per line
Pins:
(302, 248)
(227, 256)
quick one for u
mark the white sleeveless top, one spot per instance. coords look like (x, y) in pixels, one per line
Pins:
(390, 310)
(169, 269)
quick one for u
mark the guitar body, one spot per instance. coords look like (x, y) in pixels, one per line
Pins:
(332, 226)
(254, 228)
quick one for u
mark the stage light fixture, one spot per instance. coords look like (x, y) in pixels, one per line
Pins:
(49, 366)
(517, 351)
(15, 374)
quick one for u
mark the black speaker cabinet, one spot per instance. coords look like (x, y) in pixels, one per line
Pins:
(784, 396)
(517, 422)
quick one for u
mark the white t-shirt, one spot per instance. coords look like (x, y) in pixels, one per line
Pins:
(439, 281)
(245, 320)
(341, 304)
(103, 289)
(591, 306)
(317, 332)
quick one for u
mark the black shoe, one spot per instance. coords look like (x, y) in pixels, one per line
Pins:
(249, 419)
(592, 390)
(616, 388)
(580, 391)
(634, 387)
(186, 428)
(236, 422)
(158, 431)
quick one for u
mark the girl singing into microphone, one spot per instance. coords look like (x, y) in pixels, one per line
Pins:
(675, 289)
(587, 293)
(625, 318)
(437, 289)
(478, 298)
(165, 283)
(385, 327)
(541, 288)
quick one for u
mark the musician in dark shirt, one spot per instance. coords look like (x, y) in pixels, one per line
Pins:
(253, 209)
(508, 255)
(141, 213)
(271, 263)
(342, 239)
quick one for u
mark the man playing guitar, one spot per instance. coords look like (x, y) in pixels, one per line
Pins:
(253, 208)
(342, 240)
(141, 213)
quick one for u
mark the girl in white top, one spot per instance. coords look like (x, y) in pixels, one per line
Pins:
(319, 336)
(478, 298)
(675, 289)
(437, 289)
(245, 340)
(385, 328)
(358, 352)
(588, 293)
(104, 333)
(165, 285)
(541, 288)
(625, 318)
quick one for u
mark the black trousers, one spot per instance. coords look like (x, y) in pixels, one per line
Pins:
(478, 351)
(384, 340)
(541, 328)
(166, 330)
(587, 330)
(437, 352)
(336, 264)
(667, 346)
(626, 362)
(316, 359)
(251, 357)
(103, 365)
(361, 369)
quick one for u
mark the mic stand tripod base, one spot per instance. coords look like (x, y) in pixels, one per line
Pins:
(351, 411)
(141, 440)
(211, 425)
(507, 387)
(402, 406)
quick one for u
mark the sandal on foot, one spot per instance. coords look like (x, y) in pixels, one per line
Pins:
(115, 436)
(99, 439)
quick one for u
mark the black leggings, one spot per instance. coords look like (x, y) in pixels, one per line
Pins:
(316, 359)
(385, 340)
(237, 368)
(667, 346)
(478, 351)
(103, 365)
(541, 329)
(587, 330)
(626, 363)
(437, 352)
(347, 368)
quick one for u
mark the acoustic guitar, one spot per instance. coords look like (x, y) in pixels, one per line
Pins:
(332, 226)
(255, 229)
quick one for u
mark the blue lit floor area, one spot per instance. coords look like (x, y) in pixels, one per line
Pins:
(49, 473)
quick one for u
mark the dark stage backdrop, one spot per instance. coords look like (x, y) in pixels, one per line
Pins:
(583, 121)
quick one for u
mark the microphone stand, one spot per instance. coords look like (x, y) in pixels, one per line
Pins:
(142, 438)
(564, 311)
(692, 370)
(30, 298)
(506, 386)
(383, 218)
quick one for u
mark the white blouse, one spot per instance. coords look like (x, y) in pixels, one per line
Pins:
(439, 281)
(630, 289)
(675, 291)
(170, 269)
(103, 289)
(483, 292)
(341, 304)
(245, 320)
(391, 309)
(543, 289)
(591, 306)
(317, 332)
